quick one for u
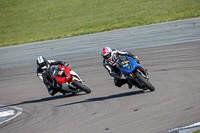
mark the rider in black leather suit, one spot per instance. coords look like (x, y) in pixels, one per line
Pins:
(44, 73)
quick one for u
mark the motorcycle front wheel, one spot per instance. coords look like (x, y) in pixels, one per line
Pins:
(144, 81)
(81, 86)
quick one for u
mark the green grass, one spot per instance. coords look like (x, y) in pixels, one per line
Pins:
(198, 131)
(23, 21)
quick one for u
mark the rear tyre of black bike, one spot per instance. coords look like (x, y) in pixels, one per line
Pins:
(81, 86)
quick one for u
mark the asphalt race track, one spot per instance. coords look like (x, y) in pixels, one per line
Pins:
(174, 71)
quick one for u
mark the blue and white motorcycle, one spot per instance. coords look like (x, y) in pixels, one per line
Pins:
(134, 73)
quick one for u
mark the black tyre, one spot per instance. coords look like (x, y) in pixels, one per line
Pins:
(145, 82)
(81, 86)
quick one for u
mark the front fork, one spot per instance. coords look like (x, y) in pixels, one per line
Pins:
(132, 76)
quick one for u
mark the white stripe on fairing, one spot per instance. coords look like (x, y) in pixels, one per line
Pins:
(18, 112)
(186, 127)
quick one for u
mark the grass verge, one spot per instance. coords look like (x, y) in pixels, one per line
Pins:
(197, 131)
(24, 21)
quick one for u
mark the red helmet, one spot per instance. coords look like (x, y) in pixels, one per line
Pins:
(106, 53)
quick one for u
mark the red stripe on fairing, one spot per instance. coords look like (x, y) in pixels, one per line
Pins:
(67, 72)
(61, 80)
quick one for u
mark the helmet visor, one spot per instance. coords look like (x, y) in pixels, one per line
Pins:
(107, 56)
(42, 64)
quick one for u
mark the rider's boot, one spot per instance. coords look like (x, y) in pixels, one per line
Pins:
(52, 92)
(129, 85)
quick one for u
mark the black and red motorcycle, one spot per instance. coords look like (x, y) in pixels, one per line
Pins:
(68, 80)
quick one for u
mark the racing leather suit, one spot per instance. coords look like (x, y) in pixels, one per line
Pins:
(114, 71)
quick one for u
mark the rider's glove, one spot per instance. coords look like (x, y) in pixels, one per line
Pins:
(65, 64)
(130, 54)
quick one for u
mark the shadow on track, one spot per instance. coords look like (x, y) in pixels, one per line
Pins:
(42, 100)
(106, 97)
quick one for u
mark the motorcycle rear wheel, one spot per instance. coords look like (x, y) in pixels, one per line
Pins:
(81, 86)
(144, 81)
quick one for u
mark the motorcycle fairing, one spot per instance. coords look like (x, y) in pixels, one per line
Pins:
(75, 76)
(60, 80)
(132, 63)
(66, 70)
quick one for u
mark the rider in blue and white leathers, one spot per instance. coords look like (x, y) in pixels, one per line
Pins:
(109, 62)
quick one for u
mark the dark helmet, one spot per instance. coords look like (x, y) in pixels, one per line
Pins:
(42, 62)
